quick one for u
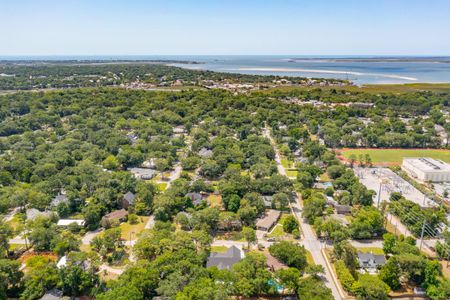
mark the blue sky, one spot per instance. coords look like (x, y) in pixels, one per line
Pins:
(137, 27)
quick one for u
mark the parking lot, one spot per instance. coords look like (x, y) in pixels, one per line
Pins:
(391, 182)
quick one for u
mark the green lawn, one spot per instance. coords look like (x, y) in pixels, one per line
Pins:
(324, 177)
(376, 251)
(219, 249)
(127, 228)
(15, 246)
(215, 201)
(161, 186)
(373, 88)
(396, 156)
(286, 163)
(309, 258)
(291, 173)
(277, 231)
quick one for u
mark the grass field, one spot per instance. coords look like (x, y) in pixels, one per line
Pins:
(219, 249)
(309, 258)
(376, 88)
(291, 173)
(376, 251)
(127, 228)
(277, 231)
(396, 156)
(287, 163)
(215, 201)
(161, 186)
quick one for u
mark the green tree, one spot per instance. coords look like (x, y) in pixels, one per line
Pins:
(5, 234)
(372, 288)
(312, 288)
(111, 163)
(10, 278)
(75, 281)
(42, 276)
(389, 273)
(289, 253)
(289, 278)
(290, 223)
(249, 235)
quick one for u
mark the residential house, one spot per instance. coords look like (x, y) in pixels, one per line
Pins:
(116, 216)
(225, 260)
(53, 294)
(340, 208)
(149, 164)
(33, 213)
(268, 220)
(61, 198)
(267, 201)
(370, 262)
(205, 153)
(196, 198)
(142, 173)
(273, 263)
(128, 199)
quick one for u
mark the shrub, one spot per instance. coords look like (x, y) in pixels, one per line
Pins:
(345, 277)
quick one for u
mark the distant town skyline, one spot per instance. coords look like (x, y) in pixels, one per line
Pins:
(233, 27)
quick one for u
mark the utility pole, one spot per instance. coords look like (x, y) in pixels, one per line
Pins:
(379, 194)
(421, 235)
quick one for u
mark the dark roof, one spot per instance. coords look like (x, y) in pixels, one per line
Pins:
(129, 197)
(117, 214)
(370, 260)
(224, 260)
(53, 294)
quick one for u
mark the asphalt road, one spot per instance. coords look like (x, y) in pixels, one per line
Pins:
(310, 240)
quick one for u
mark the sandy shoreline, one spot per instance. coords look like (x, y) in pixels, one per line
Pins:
(325, 72)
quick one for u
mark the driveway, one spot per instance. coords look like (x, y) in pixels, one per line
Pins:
(89, 236)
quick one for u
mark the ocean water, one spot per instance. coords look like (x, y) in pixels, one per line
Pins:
(360, 69)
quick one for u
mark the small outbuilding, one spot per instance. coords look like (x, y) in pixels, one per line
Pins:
(67, 222)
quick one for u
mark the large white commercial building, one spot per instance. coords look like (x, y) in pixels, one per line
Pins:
(427, 169)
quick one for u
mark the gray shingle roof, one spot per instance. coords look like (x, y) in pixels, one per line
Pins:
(52, 295)
(196, 198)
(370, 260)
(225, 260)
(59, 199)
(129, 197)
